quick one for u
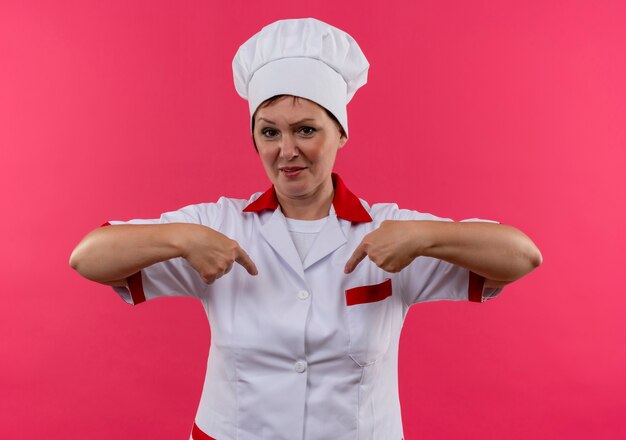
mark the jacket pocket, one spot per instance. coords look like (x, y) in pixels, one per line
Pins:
(368, 294)
(369, 317)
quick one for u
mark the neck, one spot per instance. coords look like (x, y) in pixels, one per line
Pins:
(312, 206)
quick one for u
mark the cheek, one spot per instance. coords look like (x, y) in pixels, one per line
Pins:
(320, 152)
(327, 154)
(267, 156)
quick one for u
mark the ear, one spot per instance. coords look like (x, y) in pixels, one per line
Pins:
(342, 140)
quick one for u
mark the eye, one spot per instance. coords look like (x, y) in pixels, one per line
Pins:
(307, 131)
(269, 132)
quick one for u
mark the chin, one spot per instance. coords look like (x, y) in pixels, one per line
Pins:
(294, 189)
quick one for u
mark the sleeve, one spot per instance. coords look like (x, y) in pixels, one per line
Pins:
(173, 277)
(430, 279)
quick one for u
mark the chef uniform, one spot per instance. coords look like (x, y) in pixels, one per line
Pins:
(302, 350)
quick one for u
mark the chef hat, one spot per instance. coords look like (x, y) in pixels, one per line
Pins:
(302, 57)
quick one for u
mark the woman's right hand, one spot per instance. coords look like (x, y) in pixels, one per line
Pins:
(212, 254)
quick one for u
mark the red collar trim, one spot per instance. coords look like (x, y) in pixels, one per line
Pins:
(347, 205)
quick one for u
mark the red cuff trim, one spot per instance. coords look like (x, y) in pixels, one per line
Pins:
(197, 434)
(105, 224)
(368, 294)
(135, 285)
(475, 287)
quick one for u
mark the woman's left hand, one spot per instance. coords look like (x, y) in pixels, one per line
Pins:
(499, 253)
(392, 247)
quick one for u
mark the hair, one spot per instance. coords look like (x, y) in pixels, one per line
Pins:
(274, 98)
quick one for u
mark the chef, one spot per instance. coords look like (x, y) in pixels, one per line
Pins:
(305, 285)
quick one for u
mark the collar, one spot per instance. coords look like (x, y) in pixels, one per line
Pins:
(347, 206)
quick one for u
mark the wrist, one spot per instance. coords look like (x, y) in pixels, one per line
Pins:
(179, 236)
(425, 237)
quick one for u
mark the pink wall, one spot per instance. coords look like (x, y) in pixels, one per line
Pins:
(125, 109)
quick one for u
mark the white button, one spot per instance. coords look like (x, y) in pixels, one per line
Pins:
(303, 294)
(300, 366)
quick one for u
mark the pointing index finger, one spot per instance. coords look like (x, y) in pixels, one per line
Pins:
(247, 263)
(357, 256)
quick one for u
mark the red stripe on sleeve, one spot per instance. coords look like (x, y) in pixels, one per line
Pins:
(368, 294)
(197, 434)
(475, 287)
(135, 285)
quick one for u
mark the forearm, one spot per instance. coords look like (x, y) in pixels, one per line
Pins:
(497, 252)
(116, 252)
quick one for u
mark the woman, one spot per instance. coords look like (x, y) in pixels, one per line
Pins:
(305, 285)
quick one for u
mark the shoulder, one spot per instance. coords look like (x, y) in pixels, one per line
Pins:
(390, 211)
(210, 213)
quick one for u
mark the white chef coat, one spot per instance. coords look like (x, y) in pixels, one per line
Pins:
(302, 350)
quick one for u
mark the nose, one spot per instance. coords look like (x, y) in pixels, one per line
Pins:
(288, 148)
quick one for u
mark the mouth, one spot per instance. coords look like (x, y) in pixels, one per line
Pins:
(291, 171)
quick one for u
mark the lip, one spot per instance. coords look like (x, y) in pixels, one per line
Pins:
(291, 172)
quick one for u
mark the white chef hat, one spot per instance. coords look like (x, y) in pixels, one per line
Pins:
(302, 57)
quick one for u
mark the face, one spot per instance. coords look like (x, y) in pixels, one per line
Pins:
(297, 143)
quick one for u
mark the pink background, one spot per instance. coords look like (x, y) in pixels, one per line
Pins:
(112, 110)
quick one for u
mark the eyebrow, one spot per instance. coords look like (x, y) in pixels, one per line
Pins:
(291, 125)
